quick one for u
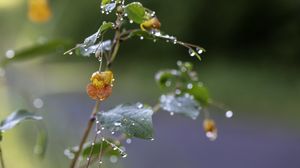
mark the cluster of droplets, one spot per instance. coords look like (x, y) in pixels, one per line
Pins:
(157, 34)
(99, 135)
(193, 52)
(108, 8)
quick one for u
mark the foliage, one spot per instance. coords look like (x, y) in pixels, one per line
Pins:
(182, 92)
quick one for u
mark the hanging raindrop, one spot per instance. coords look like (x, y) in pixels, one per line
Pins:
(229, 114)
(192, 52)
(199, 50)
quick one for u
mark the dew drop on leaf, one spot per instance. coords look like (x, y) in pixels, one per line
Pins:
(177, 91)
(10, 54)
(190, 86)
(130, 21)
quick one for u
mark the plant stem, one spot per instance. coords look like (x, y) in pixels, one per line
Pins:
(1, 158)
(86, 134)
(116, 42)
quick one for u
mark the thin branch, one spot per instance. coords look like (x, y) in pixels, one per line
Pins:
(1, 158)
(86, 134)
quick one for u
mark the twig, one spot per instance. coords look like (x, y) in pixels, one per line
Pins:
(1, 158)
(86, 134)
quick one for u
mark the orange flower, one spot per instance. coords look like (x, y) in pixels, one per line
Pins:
(210, 129)
(152, 23)
(101, 85)
(39, 11)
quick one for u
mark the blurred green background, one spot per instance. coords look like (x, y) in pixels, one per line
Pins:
(252, 65)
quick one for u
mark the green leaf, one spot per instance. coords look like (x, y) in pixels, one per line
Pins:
(135, 12)
(37, 50)
(104, 2)
(107, 146)
(199, 92)
(87, 51)
(108, 7)
(17, 117)
(134, 120)
(184, 105)
(91, 40)
(106, 26)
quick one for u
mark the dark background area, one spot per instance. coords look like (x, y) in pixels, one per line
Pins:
(252, 65)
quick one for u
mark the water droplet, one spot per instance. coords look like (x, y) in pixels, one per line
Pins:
(88, 159)
(199, 50)
(152, 139)
(133, 124)
(153, 14)
(168, 83)
(98, 132)
(113, 159)
(128, 141)
(124, 155)
(171, 113)
(117, 124)
(154, 40)
(38, 103)
(70, 53)
(125, 14)
(140, 105)
(178, 91)
(229, 114)
(142, 38)
(93, 144)
(192, 52)
(100, 162)
(130, 21)
(112, 132)
(190, 86)
(10, 54)
(102, 128)
(97, 122)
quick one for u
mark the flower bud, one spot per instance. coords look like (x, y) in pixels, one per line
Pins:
(152, 23)
(101, 85)
(38, 10)
(210, 129)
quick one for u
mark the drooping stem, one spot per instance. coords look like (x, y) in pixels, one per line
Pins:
(1, 158)
(86, 134)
